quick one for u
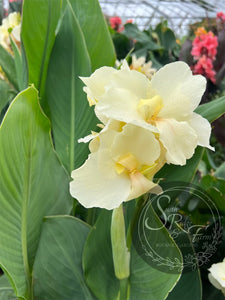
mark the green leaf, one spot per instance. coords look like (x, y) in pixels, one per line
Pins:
(212, 110)
(95, 31)
(182, 173)
(155, 260)
(98, 252)
(8, 66)
(189, 286)
(33, 184)
(70, 114)
(6, 291)
(166, 36)
(6, 94)
(18, 65)
(220, 172)
(39, 22)
(122, 45)
(132, 31)
(58, 270)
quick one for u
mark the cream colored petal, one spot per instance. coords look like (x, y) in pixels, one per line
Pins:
(96, 84)
(218, 273)
(179, 139)
(138, 141)
(134, 81)
(203, 129)
(121, 105)
(96, 183)
(16, 32)
(214, 282)
(180, 90)
(141, 185)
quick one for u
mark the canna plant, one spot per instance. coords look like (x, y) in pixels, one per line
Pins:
(51, 247)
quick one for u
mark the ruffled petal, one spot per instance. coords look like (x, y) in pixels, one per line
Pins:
(138, 141)
(141, 185)
(180, 90)
(179, 139)
(97, 184)
(96, 84)
(121, 104)
(203, 129)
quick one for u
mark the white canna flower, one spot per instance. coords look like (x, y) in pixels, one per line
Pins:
(10, 26)
(217, 276)
(120, 167)
(140, 65)
(165, 105)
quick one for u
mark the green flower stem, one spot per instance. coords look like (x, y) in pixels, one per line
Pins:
(91, 216)
(140, 202)
(123, 293)
(121, 255)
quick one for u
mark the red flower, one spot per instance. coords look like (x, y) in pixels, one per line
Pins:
(115, 22)
(204, 67)
(205, 44)
(221, 16)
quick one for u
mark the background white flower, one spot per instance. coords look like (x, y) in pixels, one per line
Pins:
(217, 275)
(11, 26)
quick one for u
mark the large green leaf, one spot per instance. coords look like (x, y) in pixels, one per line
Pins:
(6, 291)
(212, 110)
(6, 93)
(18, 66)
(188, 287)
(39, 22)
(58, 270)
(98, 260)
(8, 66)
(96, 33)
(156, 261)
(70, 114)
(33, 184)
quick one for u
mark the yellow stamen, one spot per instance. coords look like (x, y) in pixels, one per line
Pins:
(92, 101)
(150, 108)
(129, 164)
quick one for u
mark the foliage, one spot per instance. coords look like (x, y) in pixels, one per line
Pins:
(46, 251)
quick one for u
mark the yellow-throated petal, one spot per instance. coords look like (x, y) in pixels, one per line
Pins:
(97, 184)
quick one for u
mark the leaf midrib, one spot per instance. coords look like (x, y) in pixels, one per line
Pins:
(25, 199)
(43, 61)
(73, 109)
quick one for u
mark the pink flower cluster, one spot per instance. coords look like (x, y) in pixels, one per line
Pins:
(204, 51)
(116, 23)
(221, 16)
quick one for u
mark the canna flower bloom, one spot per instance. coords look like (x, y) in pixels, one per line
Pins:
(217, 276)
(221, 16)
(205, 44)
(204, 67)
(163, 105)
(200, 31)
(139, 64)
(120, 167)
(115, 23)
(10, 27)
